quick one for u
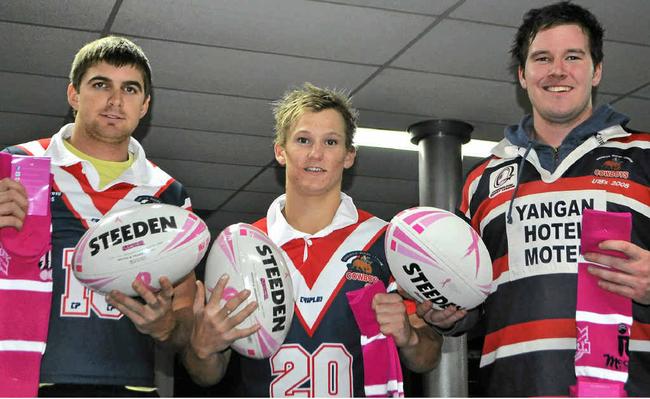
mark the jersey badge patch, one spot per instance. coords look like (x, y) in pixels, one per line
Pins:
(503, 179)
(147, 199)
(613, 166)
(360, 266)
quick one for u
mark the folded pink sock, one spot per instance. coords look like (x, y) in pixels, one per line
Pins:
(382, 371)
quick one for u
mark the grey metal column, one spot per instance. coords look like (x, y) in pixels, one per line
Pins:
(440, 182)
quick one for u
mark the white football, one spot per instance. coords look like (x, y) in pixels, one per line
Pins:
(435, 255)
(253, 262)
(145, 242)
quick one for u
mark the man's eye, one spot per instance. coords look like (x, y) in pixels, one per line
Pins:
(302, 140)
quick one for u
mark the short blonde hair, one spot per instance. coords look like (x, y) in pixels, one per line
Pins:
(294, 103)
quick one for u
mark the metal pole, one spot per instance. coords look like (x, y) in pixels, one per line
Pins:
(440, 181)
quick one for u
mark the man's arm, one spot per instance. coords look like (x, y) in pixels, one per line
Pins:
(419, 346)
(628, 277)
(450, 321)
(207, 353)
(166, 316)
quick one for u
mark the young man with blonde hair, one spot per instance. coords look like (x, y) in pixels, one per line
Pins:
(322, 233)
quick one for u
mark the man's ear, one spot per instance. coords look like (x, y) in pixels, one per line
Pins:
(145, 106)
(598, 74)
(73, 97)
(279, 154)
(350, 156)
(521, 73)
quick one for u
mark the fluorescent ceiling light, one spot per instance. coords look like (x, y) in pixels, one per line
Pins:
(366, 137)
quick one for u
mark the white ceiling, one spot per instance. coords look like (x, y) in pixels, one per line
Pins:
(218, 65)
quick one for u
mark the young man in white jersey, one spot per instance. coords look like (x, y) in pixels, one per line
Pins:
(92, 349)
(314, 133)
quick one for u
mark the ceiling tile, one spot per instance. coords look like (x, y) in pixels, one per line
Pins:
(502, 12)
(455, 47)
(645, 92)
(226, 71)
(77, 14)
(382, 189)
(281, 26)
(207, 198)
(21, 128)
(621, 76)
(211, 112)
(35, 49)
(624, 20)
(206, 175)
(215, 147)
(382, 162)
(388, 120)
(33, 94)
(416, 6)
(246, 201)
(441, 96)
(269, 181)
(637, 109)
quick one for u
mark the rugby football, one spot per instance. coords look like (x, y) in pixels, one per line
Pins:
(435, 255)
(144, 242)
(252, 261)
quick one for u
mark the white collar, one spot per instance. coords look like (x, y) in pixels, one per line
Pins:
(281, 232)
(139, 173)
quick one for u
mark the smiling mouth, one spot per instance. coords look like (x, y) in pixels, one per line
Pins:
(314, 169)
(112, 116)
(558, 89)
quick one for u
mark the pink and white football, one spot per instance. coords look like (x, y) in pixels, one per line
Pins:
(255, 263)
(435, 255)
(145, 242)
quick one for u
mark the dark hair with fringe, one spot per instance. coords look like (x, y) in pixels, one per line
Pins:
(563, 13)
(114, 50)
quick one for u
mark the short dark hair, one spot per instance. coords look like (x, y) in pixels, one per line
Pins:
(114, 50)
(562, 13)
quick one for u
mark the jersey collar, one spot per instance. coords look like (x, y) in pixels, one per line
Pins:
(281, 232)
(138, 174)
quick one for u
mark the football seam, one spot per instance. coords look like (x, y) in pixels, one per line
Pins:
(416, 238)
